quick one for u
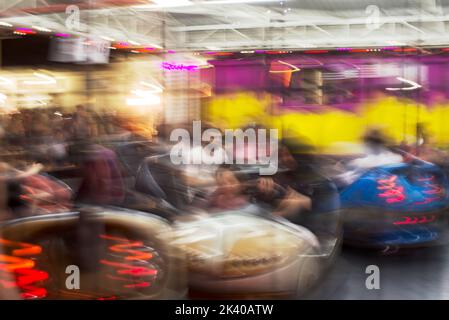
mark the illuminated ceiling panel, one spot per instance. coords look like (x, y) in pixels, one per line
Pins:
(247, 24)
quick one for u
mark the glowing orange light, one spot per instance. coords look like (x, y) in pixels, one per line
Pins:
(27, 249)
(11, 264)
(135, 254)
(23, 269)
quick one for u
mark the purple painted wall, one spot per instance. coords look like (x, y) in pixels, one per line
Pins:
(374, 72)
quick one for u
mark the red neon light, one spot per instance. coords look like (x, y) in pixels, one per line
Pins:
(132, 254)
(25, 280)
(108, 298)
(426, 201)
(23, 269)
(130, 269)
(316, 51)
(405, 50)
(220, 53)
(431, 189)
(25, 31)
(138, 285)
(391, 191)
(276, 52)
(415, 220)
(135, 254)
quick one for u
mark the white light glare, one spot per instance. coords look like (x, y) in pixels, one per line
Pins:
(156, 89)
(46, 79)
(42, 29)
(147, 101)
(4, 80)
(144, 97)
(185, 3)
(413, 85)
(172, 3)
(107, 38)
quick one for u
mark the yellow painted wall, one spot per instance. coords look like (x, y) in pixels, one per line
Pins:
(397, 117)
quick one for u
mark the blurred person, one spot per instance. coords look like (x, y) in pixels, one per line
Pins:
(376, 153)
(15, 130)
(234, 192)
(281, 193)
(83, 125)
(57, 147)
(102, 181)
(229, 194)
(199, 171)
(40, 127)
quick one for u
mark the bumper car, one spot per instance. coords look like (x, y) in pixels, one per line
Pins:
(237, 255)
(37, 194)
(397, 205)
(119, 254)
(324, 219)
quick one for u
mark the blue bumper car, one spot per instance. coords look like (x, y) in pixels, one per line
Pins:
(400, 205)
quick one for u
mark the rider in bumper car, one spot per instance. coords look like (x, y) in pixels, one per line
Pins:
(390, 200)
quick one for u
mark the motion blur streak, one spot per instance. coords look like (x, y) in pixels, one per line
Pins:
(23, 270)
(27, 249)
(123, 269)
(136, 255)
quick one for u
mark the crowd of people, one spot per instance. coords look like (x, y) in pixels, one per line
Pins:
(55, 139)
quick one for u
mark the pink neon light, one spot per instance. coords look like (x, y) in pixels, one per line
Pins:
(26, 30)
(415, 220)
(180, 67)
(427, 200)
(63, 35)
(391, 191)
(431, 189)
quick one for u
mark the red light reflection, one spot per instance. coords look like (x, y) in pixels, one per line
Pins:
(124, 268)
(22, 269)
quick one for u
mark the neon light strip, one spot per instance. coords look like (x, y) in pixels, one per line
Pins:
(126, 268)
(293, 68)
(22, 268)
(173, 66)
(392, 192)
(415, 220)
(413, 85)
